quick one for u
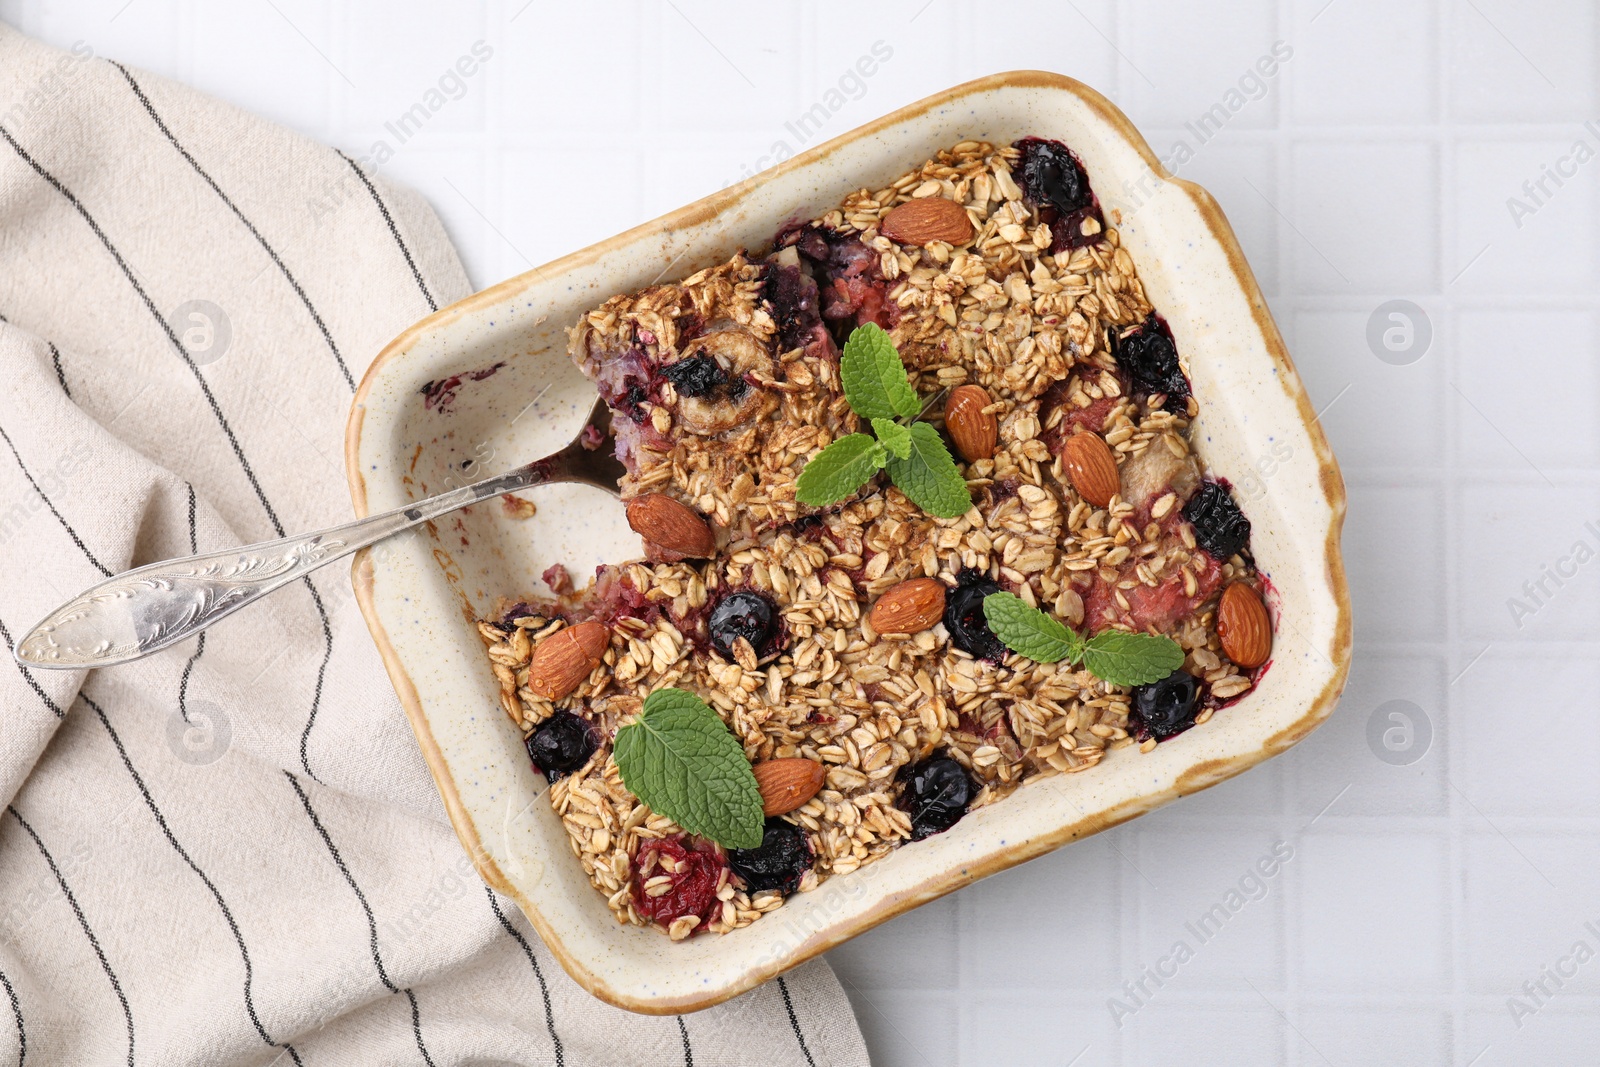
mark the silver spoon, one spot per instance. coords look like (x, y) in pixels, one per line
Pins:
(139, 612)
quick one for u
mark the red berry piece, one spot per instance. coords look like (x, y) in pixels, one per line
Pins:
(692, 871)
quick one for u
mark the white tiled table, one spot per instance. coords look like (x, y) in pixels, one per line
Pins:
(1376, 165)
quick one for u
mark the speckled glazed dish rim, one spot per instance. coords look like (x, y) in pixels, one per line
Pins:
(1257, 428)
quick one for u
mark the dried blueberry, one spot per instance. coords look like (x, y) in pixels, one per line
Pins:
(777, 863)
(1049, 174)
(1166, 707)
(561, 744)
(1151, 361)
(695, 376)
(964, 618)
(1219, 526)
(936, 795)
(747, 615)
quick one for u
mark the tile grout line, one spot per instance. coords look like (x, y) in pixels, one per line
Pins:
(1289, 915)
(1445, 341)
(1128, 930)
(1123, 1050)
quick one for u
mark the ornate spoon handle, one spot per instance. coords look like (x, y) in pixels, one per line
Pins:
(142, 611)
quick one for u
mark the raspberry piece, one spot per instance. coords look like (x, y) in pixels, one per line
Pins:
(694, 871)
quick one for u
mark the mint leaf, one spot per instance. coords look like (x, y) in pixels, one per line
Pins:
(893, 436)
(839, 470)
(680, 759)
(1028, 631)
(1113, 656)
(1121, 658)
(874, 378)
(929, 476)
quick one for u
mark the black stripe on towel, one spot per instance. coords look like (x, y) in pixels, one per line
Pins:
(222, 905)
(322, 673)
(533, 961)
(688, 1053)
(794, 1021)
(433, 305)
(61, 375)
(16, 1013)
(65, 525)
(372, 924)
(262, 241)
(27, 675)
(94, 942)
(200, 639)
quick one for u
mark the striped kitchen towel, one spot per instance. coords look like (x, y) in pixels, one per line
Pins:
(232, 852)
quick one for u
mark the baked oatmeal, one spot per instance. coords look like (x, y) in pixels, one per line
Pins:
(851, 648)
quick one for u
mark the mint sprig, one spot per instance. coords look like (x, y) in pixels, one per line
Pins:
(874, 378)
(877, 389)
(680, 759)
(839, 470)
(1122, 658)
(1027, 631)
(1115, 656)
(893, 436)
(928, 475)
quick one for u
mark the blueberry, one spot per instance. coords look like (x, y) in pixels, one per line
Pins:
(520, 610)
(633, 399)
(1151, 361)
(561, 744)
(1049, 174)
(1219, 526)
(796, 305)
(777, 863)
(964, 618)
(695, 376)
(1166, 707)
(747, 615)
(936, 795)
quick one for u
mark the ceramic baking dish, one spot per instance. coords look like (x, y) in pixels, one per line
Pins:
(420, 594)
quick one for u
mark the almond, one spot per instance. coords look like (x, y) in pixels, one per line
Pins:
(974, 431)
(786, 784)
(1091, 468)
(921, 222)
(563, 660)
(663, 521)
(909, 608)
(1243, 626)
